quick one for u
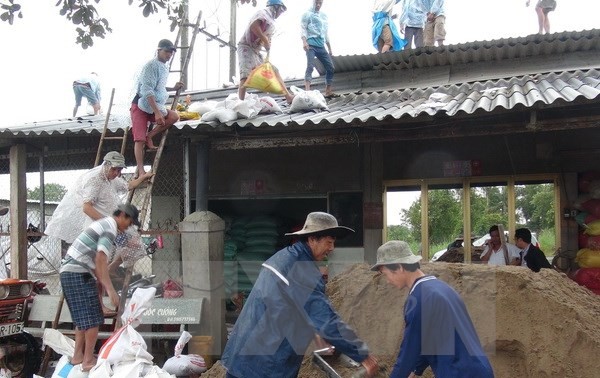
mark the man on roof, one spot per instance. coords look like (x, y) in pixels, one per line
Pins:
(384, 32)
(288, 308)
(256, 36)
(148, 105)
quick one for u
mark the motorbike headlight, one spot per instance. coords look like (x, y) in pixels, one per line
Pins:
(25, 290)
(4, 290)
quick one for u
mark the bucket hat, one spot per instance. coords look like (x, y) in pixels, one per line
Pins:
(322, 223)
(115, 159)
(395, 252)
(131, 211)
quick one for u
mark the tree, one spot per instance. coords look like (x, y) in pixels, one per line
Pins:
(90, 24)
(52, 192)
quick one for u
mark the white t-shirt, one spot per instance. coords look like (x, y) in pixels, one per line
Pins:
(497, 257)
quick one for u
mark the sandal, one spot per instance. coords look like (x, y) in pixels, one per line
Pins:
(332, 95)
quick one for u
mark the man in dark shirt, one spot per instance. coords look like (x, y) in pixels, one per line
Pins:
(439, 331)
(531, 256)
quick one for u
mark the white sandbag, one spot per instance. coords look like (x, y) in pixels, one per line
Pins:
(127, 344)
(156, 372)
(269, 105)
(307, 100)
(101, 370)
(209, 116)
(130, 369)
(249, 107)
(64, 369)
(202, 107)
(59, 343)
(184, 364)
(226, 115)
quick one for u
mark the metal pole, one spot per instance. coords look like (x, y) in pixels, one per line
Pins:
(42, 224)
(232, 38)
(186, 179)
(185, 45)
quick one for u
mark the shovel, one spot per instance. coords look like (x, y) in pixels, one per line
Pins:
(345, 360)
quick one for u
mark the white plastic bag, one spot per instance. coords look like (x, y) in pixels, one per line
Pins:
(220, 114)
(202, 107)
(127, 344)
(307, 100)
(59, 343)
(269, 105)
(64, 369)
(156, 372)
(129, 369)
(184, 364)
(249, 107)
(101, 370)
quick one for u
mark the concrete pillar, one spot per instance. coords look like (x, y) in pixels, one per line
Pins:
(202, 235)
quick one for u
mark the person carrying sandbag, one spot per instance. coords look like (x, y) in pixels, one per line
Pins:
(257, 35)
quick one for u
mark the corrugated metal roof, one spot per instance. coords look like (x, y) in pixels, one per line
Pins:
(472, 52)
(484, 95)
(527, 91)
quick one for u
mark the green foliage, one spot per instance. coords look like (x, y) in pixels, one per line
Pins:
(489, 205)
(52, 192)
(90, 24)
(547, 241)
(399, 233)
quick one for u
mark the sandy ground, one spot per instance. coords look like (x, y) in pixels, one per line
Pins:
(530, 324)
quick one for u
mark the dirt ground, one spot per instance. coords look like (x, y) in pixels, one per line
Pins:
(531, 324)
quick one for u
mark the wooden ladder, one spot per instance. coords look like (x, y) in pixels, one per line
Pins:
(146, 195)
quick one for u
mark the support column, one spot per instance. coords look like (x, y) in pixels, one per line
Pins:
(202, 154)
(18, 212)
(202, 238)
(373, 199)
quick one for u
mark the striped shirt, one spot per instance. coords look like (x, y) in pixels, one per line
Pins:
(99, 236)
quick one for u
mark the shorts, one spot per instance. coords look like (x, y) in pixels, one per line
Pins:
(385, 38)
(434, 31)
(139, 123)
(81, 293)
(248, 59)
(82, 91)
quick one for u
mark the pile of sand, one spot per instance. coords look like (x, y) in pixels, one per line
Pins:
(531, 324)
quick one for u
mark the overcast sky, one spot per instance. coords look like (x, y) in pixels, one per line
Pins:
(41, 60)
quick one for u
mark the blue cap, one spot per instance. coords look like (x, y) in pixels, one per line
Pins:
(276, 2)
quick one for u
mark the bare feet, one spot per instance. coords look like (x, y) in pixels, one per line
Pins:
(289, 98)
(87, 366)
(149, 144)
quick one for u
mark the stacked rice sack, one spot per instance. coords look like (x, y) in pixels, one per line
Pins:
(249, 242)
(588, 256)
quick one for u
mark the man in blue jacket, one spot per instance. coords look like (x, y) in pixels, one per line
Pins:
(438, 329)
(287, 307)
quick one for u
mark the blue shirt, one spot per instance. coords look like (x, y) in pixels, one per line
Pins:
(314, 28)
(286, 308)
(153, 82)
(439, 333)
(437, 7)
(414, 14)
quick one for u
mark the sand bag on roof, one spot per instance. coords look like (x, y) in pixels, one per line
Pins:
(307, 100)
(249, 107)
(269, 105)
(220, 114)
(264, 78)
(202, 107)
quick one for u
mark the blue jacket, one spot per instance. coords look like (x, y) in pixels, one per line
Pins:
(380, 19)
(439, 333)
(286, 308)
